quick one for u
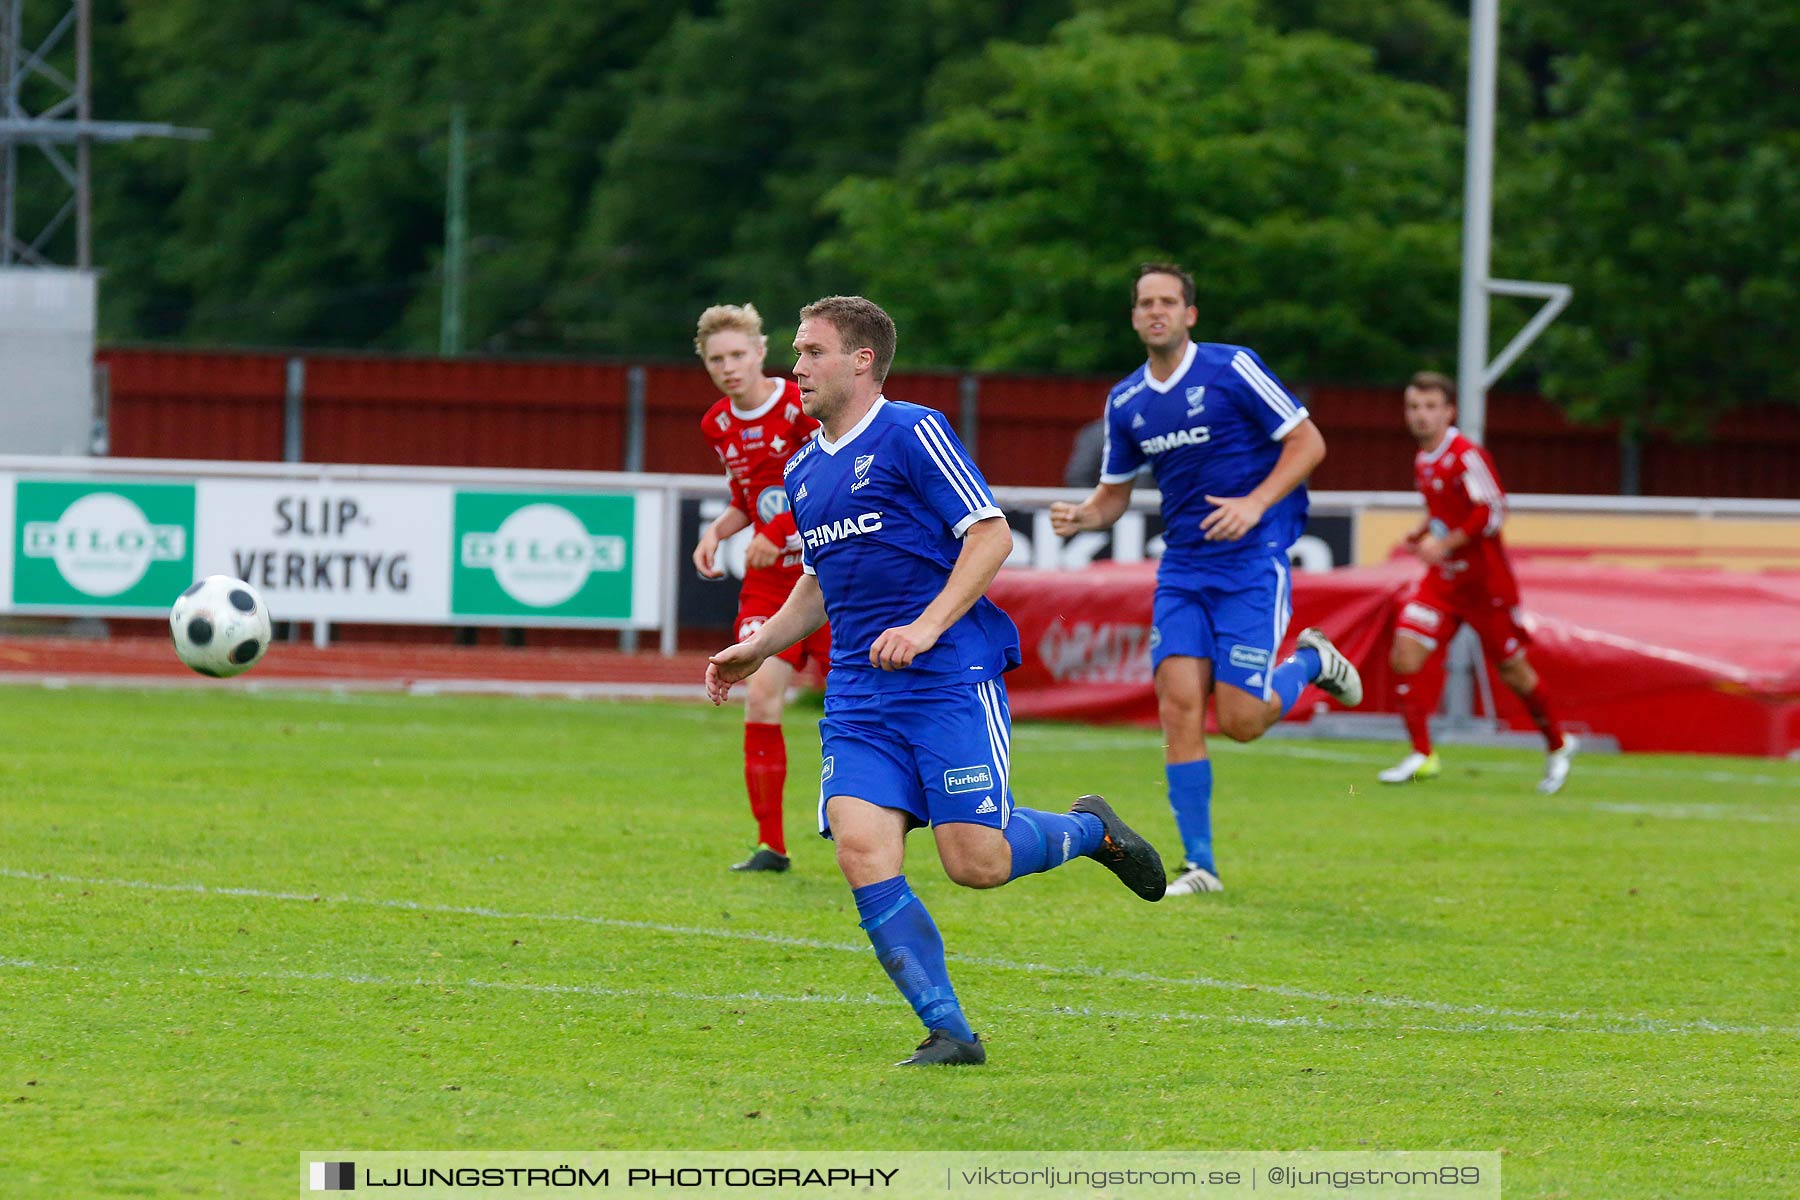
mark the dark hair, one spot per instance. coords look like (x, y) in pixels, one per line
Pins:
(1164, 268)
(861, 324)
(1433, 380)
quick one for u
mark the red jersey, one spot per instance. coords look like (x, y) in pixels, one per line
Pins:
(1462, 491)
(754, 446)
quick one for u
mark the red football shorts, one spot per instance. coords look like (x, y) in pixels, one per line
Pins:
(1433, 615)
(763, 595)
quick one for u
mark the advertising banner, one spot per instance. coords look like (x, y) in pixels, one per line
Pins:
(100, 547)
(330, 551)
(567, 558)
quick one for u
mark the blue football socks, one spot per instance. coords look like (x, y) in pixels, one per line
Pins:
(1190, 795)
(1295, 672)
(911, 950)
(1041, 841)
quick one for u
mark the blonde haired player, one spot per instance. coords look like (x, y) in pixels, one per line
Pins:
(755, 427)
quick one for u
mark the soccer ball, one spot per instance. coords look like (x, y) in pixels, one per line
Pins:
(220, 626)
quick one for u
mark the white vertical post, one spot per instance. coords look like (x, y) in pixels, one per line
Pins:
(1478, 211)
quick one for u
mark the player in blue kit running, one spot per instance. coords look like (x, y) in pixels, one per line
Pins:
(901, 539)
(1231, 451)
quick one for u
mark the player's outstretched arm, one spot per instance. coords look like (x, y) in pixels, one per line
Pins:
(1104, 505)
(1233, 516)
(803, 613)
(985, 545)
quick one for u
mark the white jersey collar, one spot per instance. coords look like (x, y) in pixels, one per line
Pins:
(1164, 385)
(831, 447)
(763, 411)
(1433, 455)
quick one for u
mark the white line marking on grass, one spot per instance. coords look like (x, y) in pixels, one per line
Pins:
(1583, 766)
(1082, 1012)
(1614, 1023)
(285, 686)
(1699, 812)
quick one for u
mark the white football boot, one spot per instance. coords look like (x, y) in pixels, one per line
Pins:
(1413, 766)
(1194, 880)
(1556, 765)
(1338, 677)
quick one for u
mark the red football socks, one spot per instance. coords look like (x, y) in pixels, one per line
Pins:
(1539, 708)
(1412, 708)
(765, 773)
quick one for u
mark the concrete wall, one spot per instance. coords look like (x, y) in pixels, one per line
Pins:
(46, 361)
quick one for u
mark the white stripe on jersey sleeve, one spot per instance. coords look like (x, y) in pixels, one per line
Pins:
(1271, 392)
(1106, 451)
(967, 487)
(1479, 482)
(936, 430)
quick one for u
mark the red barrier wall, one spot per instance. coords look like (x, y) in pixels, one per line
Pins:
(170, 403)
(1618, 649)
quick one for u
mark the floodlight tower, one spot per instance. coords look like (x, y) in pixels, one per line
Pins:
(45, 108)
(1474, 373)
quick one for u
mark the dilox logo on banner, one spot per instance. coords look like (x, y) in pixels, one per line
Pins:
(125, 547)
(529, 554)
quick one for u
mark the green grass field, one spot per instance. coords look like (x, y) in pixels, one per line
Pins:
(239, 925)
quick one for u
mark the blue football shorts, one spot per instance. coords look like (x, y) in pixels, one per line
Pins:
(937, 754)
(1234, 612)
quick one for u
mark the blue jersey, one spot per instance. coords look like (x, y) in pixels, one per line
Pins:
(1213, 428)
(881, 514)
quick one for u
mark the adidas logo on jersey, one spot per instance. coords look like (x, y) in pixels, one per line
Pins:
(801, 494)
(987, 805)
(1137, 420)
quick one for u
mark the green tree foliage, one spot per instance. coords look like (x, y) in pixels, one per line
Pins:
(1312, 197)
(314, 214)
(990, 169)
(741, 122)
(1663, 182)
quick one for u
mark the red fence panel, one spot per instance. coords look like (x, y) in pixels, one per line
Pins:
(675, 398)
(464, 412)
(195, 404)
(169, 403)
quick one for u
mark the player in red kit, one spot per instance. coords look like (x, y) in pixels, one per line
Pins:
(755, 427)
(1468, 579)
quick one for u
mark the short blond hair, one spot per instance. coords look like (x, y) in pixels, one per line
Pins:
(721, 318)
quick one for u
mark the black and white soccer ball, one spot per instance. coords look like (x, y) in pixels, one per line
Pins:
(220, 626)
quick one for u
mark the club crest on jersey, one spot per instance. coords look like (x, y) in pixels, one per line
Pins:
(979, 778)
(777, 443)
(771, 502)
(1196, 398)
(863, 463)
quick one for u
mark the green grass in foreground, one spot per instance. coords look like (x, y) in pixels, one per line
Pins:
(506, 924)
